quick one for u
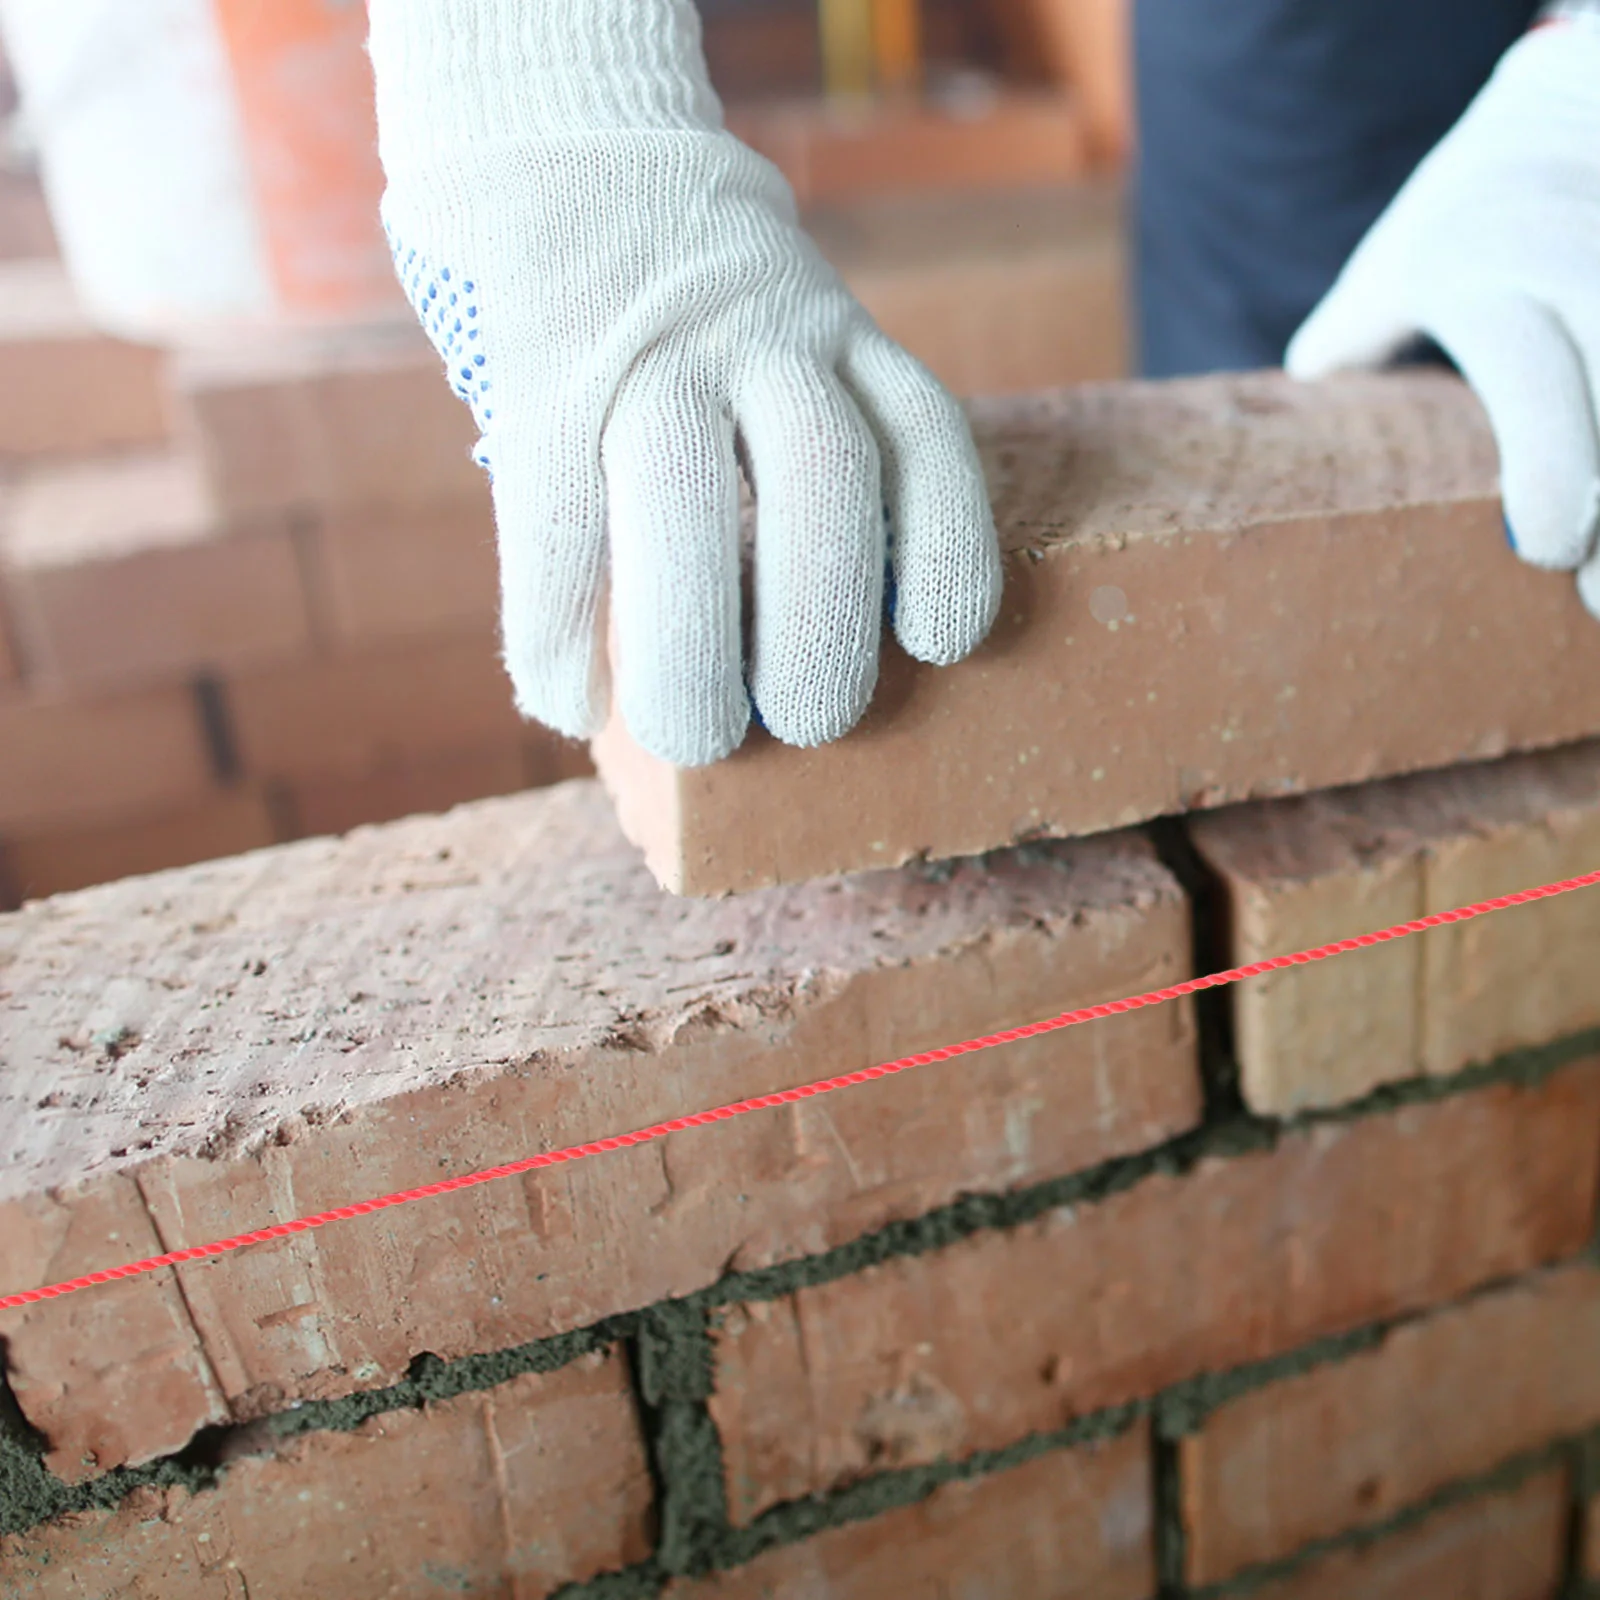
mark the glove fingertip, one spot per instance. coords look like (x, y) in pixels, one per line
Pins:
(953, 615)
(1550, 519)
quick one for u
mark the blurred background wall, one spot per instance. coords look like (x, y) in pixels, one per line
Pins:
(247, 582)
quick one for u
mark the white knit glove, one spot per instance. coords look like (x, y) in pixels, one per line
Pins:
(621, 291)
(1492, 249)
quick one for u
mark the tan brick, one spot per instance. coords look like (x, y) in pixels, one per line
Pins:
(518, 1489)
(408, 572)
(1073, 1525)
(404, 789)
(1506, 1547)
(1154, 654)
(326, 1021)
(92, 761)
(995, 293)
(1006, 1334)
(119, 577)
(65, 387)
(355, 416)
(53, 861)
(1305, 872)
(1356, 1441)
(356, 714)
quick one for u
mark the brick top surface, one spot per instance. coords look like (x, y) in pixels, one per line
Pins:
(62, 514)
(1116, 462)
(213, 1010)
(37, 302)
(1331, 833)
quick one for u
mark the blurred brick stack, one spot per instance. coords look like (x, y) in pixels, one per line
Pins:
(247, 595)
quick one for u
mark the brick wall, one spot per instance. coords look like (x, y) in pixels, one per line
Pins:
(1182, 1303)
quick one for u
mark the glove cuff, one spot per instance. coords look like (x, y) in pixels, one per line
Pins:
(461, 72)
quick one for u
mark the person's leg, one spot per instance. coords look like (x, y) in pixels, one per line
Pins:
(1271, 135)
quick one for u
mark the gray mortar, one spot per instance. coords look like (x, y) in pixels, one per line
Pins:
(671, 1360)
(674, 1370)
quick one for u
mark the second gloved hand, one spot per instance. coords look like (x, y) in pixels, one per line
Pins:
(621, 291)
(1493, 250)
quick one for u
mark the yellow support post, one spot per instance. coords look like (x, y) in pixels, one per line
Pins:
(847, 48)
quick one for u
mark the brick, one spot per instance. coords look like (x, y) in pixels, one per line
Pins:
(1072, 1525)
(1307, 871)
(993, 293)
(518, 1489)
(355, 714)
(65, 387)
(26, 232)
(54, 861)
(408, 572)
(832, 152)
(1356, 1441)
(330, 1020)
(982, 1343)
(1506, 1547)
(119, 577)
(404, 789)
(356, 416)
(1154, 654)
(94, 761)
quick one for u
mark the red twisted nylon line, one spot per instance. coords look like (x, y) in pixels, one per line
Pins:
(808, 1091)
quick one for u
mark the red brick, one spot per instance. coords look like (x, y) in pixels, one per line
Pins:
(1308, 871)
(119, 578)
(1006, 1334)
(1355, 1441)
(1507, 1547)
(65, 387)
(1153, 654)
(404, 789)
(95, 761)
(548, 758)
(355, 416)
(1073, 1525)
(516, 1490)
(330, 1020)
(830, 152)
(994, 293)
(139, 1341)
(357, 714)
(408, 572)
(54, 861)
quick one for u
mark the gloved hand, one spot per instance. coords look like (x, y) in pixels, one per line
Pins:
(621, 291)
(1492, 249)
